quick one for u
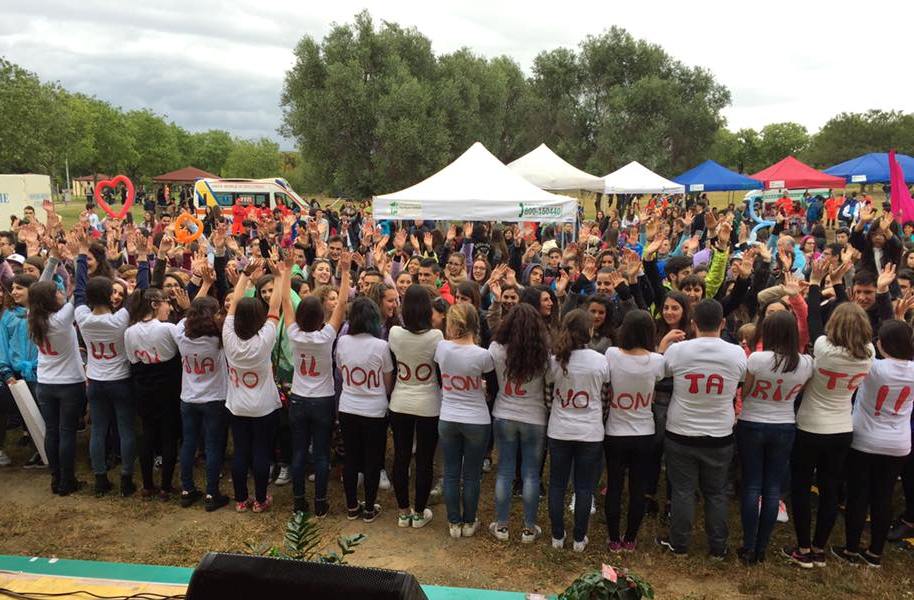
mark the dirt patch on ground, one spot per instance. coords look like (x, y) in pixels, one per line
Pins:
(33, 522)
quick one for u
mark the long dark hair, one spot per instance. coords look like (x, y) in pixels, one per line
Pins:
(606, 330)
(201, 319)
(684, 321)
(574, 334)
(895, 339)
(780, 335)
(22, 280)
(637, 331)
(250, 315)
(42, 304)
(364, 317)
(309, 316)
(102, 267)
(98, 292)
(142, 303)
(526, 341)
(417, 309)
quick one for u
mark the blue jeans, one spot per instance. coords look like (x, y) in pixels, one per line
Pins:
(584, 459)
(531, 439)
(464, 447)
(764, 454)
(61, 405)
(252, 438)
(112, 400)
(212, 418)
(311, 420)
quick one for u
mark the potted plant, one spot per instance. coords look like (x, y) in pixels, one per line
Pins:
(608, 584)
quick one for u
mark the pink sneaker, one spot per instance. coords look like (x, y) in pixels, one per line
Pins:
(615, 546)
(244, 505)
(264, 506)
(629, 546)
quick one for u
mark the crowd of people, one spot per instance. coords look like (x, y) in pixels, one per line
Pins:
(656, 348)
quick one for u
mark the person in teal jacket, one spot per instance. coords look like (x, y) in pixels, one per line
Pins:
(18, 354)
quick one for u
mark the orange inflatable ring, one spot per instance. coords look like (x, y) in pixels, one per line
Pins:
(182, 234)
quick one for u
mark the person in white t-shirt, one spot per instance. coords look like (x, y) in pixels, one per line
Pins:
(204, 382)
(415, 404)
(775, 376)
(843, 357)
(464, 426)
(312, 401)
(706, 372)
(521, 353)
(155, 368)
(634, 371)
(248, 336)
(881, 445)
(61, 390)
(110, 388)
(576, 426)
(364, 361)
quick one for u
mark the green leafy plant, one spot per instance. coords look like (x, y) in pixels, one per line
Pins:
(594, 586)
(302, 542)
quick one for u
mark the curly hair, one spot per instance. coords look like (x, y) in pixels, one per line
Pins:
(202, 318)
(524, 335)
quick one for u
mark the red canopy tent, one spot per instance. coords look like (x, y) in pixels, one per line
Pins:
(792, 174)
(185, 175)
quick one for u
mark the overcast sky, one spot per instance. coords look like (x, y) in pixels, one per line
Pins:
(220, 63)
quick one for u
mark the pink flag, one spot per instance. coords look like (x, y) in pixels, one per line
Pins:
(902, 203)
(609, 573)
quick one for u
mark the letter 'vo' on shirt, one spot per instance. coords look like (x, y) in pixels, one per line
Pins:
(633, 378)
(577, 397)
(363, 359)
(463, 397)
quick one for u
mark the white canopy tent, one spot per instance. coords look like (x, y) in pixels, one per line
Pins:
(635, 178)
(476, 187)
(547, 170)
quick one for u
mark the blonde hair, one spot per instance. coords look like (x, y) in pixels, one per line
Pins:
(849, 328)
(462, 320)
(746, 333)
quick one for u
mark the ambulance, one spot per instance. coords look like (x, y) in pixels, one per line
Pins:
(257, 192)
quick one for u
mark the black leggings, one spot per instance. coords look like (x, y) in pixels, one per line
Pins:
(907, 483)
(404, 427)
(158, 394)
(631, 453)
(870, 482)
(824, 455)
(364, 439)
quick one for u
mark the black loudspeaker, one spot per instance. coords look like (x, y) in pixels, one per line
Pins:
(229, 576)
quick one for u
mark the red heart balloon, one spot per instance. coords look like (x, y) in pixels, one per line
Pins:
(112, 183)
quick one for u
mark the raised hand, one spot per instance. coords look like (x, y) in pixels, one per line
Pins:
(451, 233)
(468, 229)
(427, 239)
(561, 283)
(791, 284)
(181, 298)
(747, 262)
(904, 304)
(886, 277)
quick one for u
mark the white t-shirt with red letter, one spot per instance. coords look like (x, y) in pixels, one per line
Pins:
(882, 412)
(463, 396)
(416, 391)
(312, 356)
(58, 360)
(633, 378)
(577, 397)
(771, 398)
(104, 337)
(826, 405)
(522, 402)
(204, 377)
(363, 360)
(150, 342)
(251, 389)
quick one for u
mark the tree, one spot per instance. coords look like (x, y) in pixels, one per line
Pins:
(208, 150)
(780, 140)
(253, 159)
(156, 149)
(851, 134)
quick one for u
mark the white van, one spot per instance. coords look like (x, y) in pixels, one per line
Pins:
(257, 192)
(19, 191)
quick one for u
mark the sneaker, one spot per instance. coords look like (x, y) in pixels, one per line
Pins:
(850, 558)
(719, 556)
(668, 545)
(212, 503)
(818, 558)
(321, 508)
(615, 546)
(469, 529)
(420, 521)
(528, 536)
(244, 505)
(455, 530)
(353, 514)
(782, 512)
(499, 533)
(801, 559)
(405, 521)
(370, 514)
(188, 498)
(71, 488)
(580, 546)
(900, 530)
(260, 507)
(558, 544)
(384, 481)
(629, 546)
(35, 462)
(746, 556)
(284, 477)
(871, 560)
(5, 460)
(487, 465)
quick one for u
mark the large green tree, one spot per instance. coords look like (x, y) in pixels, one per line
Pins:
(254, 159)
(851, 134)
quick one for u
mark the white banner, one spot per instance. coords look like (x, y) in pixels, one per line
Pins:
(34, 422)
(539, 211)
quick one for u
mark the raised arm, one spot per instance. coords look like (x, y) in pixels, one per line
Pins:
(242, 285)
(339, 312)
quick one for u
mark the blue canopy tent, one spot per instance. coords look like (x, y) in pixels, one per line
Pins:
(872, 168)
(710, 176)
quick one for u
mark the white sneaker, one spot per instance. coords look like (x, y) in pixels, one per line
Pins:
(456, 530)
(528, 536)
(422, 520)
(782, 512)
(5, 460)
(499, 533)
(486, 465)
(579, 546)
(405, 521)
(384, 482)
(558, 544)
(469, 529)
(284, 477)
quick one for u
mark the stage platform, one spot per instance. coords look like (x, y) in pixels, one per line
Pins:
(55, 576)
